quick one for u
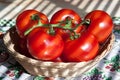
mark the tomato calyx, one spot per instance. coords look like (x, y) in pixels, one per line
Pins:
(86, 22)
(35, 17)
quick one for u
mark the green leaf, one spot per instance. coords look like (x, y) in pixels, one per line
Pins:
(108, 78)
(1, 78)
(115, 58)
(116, 31)
(95, 71)
(39, 78)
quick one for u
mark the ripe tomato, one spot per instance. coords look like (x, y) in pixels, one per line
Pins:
(57, 60)
(44, 46)
(84, 48)
(22, 48)
(24, 20)
(101, 24)
(62, 15)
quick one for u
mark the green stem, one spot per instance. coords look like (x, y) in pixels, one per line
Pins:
(34, 17)
(63, 25)
(74, 35)
(51, 31)
(87, 21)
(29, 30)
(66, 25)
(35, 26)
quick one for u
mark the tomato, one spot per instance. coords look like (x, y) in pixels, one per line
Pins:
(63, 15)
(101, 24)
(22, 48)
(57, 60)
(28, 19)
(1, 35)
(84, 48)
(44, 46)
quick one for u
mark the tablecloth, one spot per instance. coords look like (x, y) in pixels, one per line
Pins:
(107, 69)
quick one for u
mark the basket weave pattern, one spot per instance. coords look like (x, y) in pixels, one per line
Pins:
(52, 69)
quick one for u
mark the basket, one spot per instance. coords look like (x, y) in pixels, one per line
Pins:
(53, 69)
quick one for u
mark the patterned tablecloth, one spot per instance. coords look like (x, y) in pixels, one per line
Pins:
(107, 69)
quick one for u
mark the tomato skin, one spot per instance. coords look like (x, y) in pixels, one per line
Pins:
(44, 46)
(24, 21)
(101, 24)
(57, 60)
(61, 15)
(84, 48)
(23, 47)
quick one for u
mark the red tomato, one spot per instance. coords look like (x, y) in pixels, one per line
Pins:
(44, 46)
(84, 48)
(101, 24)
(22, 48)
(24, 21)
(62, 15)
(57, 60)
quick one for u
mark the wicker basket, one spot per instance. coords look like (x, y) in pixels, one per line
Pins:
(52, 69)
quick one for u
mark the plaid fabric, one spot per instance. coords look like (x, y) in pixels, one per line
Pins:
(6, 24)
